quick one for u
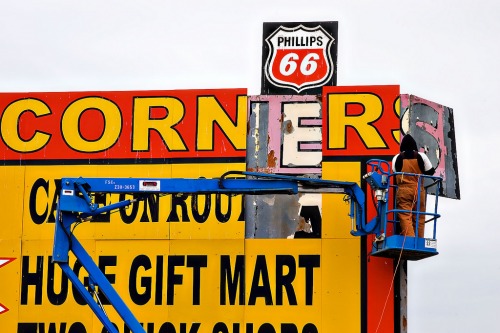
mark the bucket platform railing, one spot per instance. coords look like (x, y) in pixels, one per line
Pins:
(388, 242)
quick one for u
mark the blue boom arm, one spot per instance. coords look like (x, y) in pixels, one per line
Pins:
(76, 204)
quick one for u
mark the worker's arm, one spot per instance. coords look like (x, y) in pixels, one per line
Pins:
(427, 165)
(394, 159)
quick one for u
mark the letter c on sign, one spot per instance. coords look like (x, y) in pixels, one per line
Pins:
(9, 125)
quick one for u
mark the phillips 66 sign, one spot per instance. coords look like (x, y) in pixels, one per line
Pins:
(299, 58)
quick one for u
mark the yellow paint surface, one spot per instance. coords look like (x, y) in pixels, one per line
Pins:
(137, 221)
(336, 221)
(11, 201)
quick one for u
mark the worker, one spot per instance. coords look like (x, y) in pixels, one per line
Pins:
(410, 160)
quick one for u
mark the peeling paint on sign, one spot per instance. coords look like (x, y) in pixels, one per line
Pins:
(284, 137)
(285, 134)
(432, 126)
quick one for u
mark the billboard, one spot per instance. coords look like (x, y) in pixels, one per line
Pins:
(163, 134)
(196, 263)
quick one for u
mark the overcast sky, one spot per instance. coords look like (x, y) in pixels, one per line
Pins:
(445, 51)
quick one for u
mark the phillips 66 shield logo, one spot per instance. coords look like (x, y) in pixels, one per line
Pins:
(299, 58)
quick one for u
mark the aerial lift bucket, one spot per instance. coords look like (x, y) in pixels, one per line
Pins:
(388, 242)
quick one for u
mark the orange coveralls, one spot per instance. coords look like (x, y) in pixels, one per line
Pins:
(406, 198)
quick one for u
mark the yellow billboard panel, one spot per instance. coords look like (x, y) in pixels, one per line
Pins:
(47, 299)
(209, 277)
(167, 284)
(159, 217)
(206, 216)
(203, 286)
(337, 223)
(10, 268)
(284, 284)
(11, 201)
(341, 276)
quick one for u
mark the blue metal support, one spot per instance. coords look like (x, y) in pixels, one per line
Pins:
(88, 298)
(64, 242)
(100, 280)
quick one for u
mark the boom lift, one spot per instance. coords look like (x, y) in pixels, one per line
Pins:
(76, 204)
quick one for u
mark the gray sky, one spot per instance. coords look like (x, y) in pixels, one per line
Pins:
(444, 51)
